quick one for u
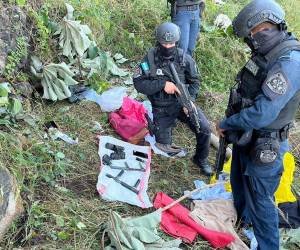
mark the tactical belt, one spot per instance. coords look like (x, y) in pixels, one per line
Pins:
(188, 7)
(281, 134)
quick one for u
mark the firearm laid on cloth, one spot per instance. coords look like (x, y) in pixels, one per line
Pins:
(185, 98)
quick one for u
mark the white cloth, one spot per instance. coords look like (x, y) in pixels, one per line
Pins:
(109, 189)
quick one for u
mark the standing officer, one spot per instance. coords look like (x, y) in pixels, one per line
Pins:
(153, 79)
(187, 15)
(265, 102)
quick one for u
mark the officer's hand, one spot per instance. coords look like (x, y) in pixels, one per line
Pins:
(220, 131)
(185, 110)
(170, 88)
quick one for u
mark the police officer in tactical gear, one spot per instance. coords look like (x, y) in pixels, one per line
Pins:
(266, 99)
(153, 78)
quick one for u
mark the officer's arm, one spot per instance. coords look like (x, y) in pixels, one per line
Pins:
(280, 86)
(192, 77)
(146, 84)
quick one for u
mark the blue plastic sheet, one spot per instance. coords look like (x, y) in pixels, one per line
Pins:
(216, 192)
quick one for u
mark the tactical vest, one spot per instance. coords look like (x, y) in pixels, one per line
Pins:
(159, 69)
(253, 75)
(187, 2)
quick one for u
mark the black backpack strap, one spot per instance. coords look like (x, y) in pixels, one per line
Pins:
(151, 61)
(182, 57)
(282, 48)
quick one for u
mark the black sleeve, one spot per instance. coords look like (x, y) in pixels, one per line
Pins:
(146, 84)
(192, 77)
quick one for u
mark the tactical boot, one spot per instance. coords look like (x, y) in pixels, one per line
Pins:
(171, 150)
(204, 166)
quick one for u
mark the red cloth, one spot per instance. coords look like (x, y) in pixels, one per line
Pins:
(177, 222)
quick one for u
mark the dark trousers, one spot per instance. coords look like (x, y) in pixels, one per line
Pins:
(165, 119)
(254, 200)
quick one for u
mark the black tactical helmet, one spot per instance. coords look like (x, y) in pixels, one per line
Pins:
(167, 33)
(255, 13)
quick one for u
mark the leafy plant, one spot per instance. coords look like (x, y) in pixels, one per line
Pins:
(15, 58)
(102, 64)
(73, 38)
(43, 32)
(97, 84)
(55, 79)
(9, 105)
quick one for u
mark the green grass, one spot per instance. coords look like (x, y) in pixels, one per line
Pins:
(58, 181)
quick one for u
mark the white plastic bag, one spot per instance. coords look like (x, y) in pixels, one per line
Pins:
(112, 99)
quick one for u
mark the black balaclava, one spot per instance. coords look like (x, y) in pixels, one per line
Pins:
(166, 53)
(264, 41)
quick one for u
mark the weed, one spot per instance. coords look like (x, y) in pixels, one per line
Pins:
(41, 40)
(15, 58)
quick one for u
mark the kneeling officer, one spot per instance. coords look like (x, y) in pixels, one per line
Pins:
(153, 79)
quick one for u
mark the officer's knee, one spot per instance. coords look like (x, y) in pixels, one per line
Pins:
(204, 126)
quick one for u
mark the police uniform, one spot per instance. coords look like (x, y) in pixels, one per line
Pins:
(150, 80)
(268, 94)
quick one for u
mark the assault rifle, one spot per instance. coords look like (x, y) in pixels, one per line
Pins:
(235, 104)
(185, 98)
(221, 155)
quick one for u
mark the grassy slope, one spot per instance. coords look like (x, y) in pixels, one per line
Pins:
(59, 192)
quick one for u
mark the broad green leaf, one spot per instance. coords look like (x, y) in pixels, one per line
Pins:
(4, 101)
(95, 66)
(5, 122)
(119, 58)
(73, 38)
(70, 11)
(15, 106)
(93, 51)
(36, 63)
(3, 92)
(55, 79)
(6, 86)
(114, 69)
(122, 60)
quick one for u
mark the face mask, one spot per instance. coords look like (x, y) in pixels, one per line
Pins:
(263, 41)
(250, 42)
(167, 52)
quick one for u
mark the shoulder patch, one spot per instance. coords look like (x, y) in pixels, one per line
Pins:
(275, 85)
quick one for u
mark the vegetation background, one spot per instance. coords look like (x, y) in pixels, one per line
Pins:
(58, 181)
